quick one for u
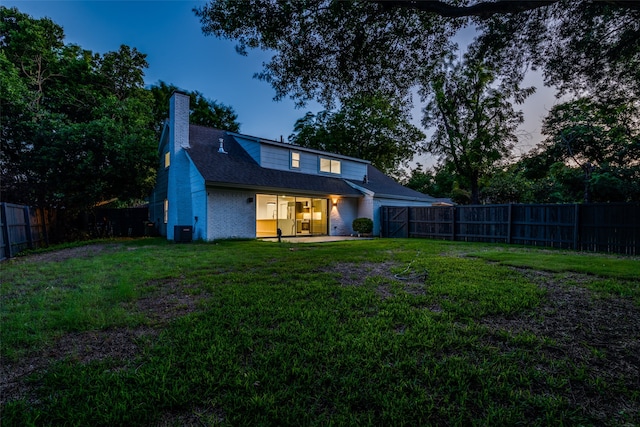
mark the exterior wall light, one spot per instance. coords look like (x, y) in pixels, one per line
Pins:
(335, 202)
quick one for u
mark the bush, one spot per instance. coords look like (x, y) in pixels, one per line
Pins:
(362, 225)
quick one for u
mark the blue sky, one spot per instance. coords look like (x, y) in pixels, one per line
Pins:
(178, 53)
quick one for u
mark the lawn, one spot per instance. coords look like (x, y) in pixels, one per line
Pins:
(368, 332)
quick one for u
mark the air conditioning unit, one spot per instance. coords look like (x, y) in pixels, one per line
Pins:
(182, 233)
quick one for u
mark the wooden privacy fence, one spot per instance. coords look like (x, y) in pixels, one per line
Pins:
(21, 228)
(613, 228)
(122, 222)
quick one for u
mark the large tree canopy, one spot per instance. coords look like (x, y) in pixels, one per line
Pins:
(76, 126)
(600, 138)
(583, 47)
(328, 49)
(367, 126)
(332, 49)
(587, 131)
(473, 120)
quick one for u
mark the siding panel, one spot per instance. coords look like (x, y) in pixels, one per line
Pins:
(252, 147)
(274, 157)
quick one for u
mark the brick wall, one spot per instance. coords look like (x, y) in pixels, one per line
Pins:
(179, 182)
(231, 214)
(341, 217)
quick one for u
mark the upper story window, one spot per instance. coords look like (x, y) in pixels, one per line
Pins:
(330, 166)
(167, 159)
(295, 160)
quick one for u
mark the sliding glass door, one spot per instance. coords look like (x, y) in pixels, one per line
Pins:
(294, 216)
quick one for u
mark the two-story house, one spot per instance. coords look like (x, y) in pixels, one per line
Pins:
(228, 185)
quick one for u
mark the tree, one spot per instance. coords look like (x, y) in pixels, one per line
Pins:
(437, 181)
(328, 50)
(33, 47)
(420, 180)
(123, 71)
(368, 126)
(507, 186)
(474, 120)
(600, 138)
(202, 112)
(583, 47)
(77, 126)
(324, 49)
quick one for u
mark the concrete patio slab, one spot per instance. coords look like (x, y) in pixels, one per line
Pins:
(315, 239)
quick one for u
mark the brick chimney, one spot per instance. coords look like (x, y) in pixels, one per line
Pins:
(179, 185)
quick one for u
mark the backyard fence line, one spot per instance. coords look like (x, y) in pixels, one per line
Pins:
(22, 227)
(598, 227)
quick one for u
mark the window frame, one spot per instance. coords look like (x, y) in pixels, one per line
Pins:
(335, 166)
(295, 160)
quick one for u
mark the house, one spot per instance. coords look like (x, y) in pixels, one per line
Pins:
(229, 185)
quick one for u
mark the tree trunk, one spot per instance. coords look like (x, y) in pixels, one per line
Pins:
(475, 191)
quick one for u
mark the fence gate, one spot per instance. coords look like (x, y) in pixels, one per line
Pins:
(395, 221)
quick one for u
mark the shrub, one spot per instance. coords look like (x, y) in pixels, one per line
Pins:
(362, 225)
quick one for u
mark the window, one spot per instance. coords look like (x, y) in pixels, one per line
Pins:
(329, 166)
(165, 209)
(295, 160)
(167, 159)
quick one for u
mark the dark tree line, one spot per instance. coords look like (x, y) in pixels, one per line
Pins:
(79, 128)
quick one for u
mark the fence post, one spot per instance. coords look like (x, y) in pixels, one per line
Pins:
(5, 230)
(576, 226)
(453, 223)
(27, 227)
(45, 225)
(509, 220)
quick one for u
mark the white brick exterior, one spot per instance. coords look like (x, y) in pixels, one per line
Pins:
(341, 216)
(230, 214)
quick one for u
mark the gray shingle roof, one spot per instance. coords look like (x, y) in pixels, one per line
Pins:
(238, 169)
(384, 186)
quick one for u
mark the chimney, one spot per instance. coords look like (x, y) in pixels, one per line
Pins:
(179, 211)
(179, 120)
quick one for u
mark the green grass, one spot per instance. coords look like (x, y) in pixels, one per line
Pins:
(619, 267)
(286, 334)
(607, 274)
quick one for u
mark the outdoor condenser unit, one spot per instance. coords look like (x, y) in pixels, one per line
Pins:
(182, 233)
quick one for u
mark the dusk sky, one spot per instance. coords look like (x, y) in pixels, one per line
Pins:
(179, 53)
